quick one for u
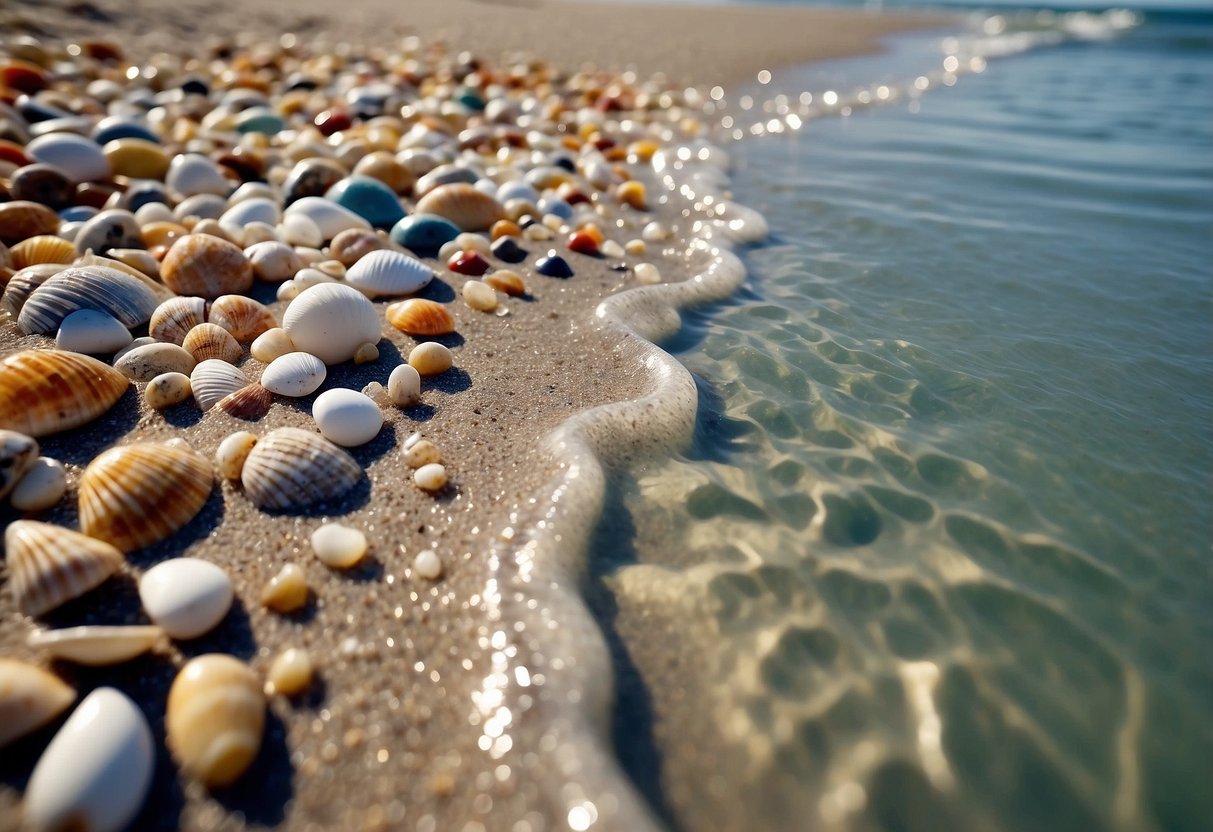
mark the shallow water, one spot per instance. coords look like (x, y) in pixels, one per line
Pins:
(940, 556)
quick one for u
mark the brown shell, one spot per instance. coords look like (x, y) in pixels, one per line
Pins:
(212, 341)
(242, 316)
(174, 318)
(50, 565)
(136, 495)
(418, 316)
(46, 391)
(506, 281)
(200, 264)
(462, 204)
(45, 248)
(22, 219)
(248, 403)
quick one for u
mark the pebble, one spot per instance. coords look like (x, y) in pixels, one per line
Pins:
(431, 477)
(42, 486)
(338, 546)
(290, 674)
(92, 331)
(347, 417)
(427, 565)
(430, 358)
(287, 591)
(187, 597)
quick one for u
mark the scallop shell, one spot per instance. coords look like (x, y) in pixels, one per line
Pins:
(41, 249)
(108, 290)
(29, 698)
(136, 495)
(242, 316)
(173, 319)
(18, 453)
(96, 645)
(213, 380)
(46, 391)
(389, 273)
(215, 718)
(331, 321)
(206, 341)
(462, 204)
(292, 468)
(24, 283)
(249, 403)
(200, 264)
(294, 374)
(50, 565)
(418, 316)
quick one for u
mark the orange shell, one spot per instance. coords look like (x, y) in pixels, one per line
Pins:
(46, 391)
(417, 316)
(207, 266)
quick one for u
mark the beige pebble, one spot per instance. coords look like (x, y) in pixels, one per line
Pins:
(233, 451)
(167, 389)
(366, 353)
(427, 565)
(479, 296)
(431, 477)
(41, 487)
(430, 358)
(422, 452)
(271, 344)
(646, 273)
(290, 673)
(338, 546)
(286, 591)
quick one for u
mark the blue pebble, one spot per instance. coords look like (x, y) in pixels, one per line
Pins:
(368, 198)
(553, 266)
(424, 234)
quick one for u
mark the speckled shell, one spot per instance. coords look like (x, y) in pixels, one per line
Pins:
(213, 380)
(41, 249)
(212, 341)
(215, 718)
(249, 403)
(50, 565)
(463, 205)
(200, 264)
(46, 391)
(418, 316)
(293, 468)
(390, 273)
(114, 292)
(172, 320)
(136, 495)
(242, 316)
(22, 284)
(29, 698)
(331, 320)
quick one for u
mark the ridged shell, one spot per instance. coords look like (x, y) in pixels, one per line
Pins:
(172, 320)
(294, 374)
(389, 273)
(50, 565)
(213, 380)
(212, 341)
(90, 287)
(136, 495)
(242, 316)
(292, 468)
(18, 453)
(41, 249)
(23, 283)
(200, 264)
(96, 645)
(46, 391)
(215, 718)
(331, 321)
(418, 316)
(463, 205)
(249, 403)
(29, 698)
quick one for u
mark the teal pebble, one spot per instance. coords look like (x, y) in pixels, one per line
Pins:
(424, 234)
(368, 198)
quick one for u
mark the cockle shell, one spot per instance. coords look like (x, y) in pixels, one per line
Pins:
(187, 597)
(249, 403)
(18, 453)
(136, 495)
(96, 645)
(114, 292)
(208, 340)
(418, 316)
(92, 332)
(41, 249)
(174, 318)
(331, 321)
(462, 204)
(389, 273)
(46, 391)
(242, 316)
(294, 374)
(29, 698)
(213, 380)
(215, 718)
(50, 565)
(292, 468)
(199, 264)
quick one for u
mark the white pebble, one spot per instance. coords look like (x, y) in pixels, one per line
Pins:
(427, 565)
(347, 417)
(338, 546)
(42, 486)
(430, 477)
(187, 597)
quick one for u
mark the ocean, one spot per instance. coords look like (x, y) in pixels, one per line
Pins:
(939, 557)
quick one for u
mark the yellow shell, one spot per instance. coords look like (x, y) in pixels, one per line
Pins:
(50, 565)
(215, 718)
(136, 495)
(211, 341)
(174, 318)
(44, 248)
(46, 391)
(29, 698)
(244, 317)
(199, 264)
(418, 316)
(462, 204)
(249, 403)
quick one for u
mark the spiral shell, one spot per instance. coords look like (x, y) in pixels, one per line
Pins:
(41, 249)
(292, 468)
(199, 264)
(215, 718)
(418, 316)
(212, 341)
(172, 320)
(114, 292)
(136, 495)
(462, 204)
(389, 273)
(242, 316)
(249, 403)
(46, 391)
(29, 698)
(213, 380)
(50, 565)
(331, 321)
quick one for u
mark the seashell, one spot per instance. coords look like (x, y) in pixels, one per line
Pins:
(167, 389)
(192, 173)
(338, 546)
(146, 362)
(331, 321)
(424, 234)
(44, 248)
(96, 645)
(292, 468)
(79, 158)
(18, 454)
(294, 374)
(404, 386)
(22, 284)
(90, 331)
(199, 264)
(463, 205)
(215, 718)
(115, 292)
(233, 450)
(22, 219)
(353, 244)
(29, 698)
(213, 380)
(430, 358)
(248, 403)
(273, 261)
(271, 344)
(96, 772)
(418, 316)
(330, 218)
(254, 209)
(50, 565)
(42, 184)
(389, 273)
(290, 674)
(136, 495)
(42, 486)
(347, 417)
(287, 591)
(369, 198)
(172, 320)
(506, 281)
(427, 565)
(46, 391)
(137, 259)
(115, 228)
(207, 341)
(136, 158)
(186, 597)
(431, 477)
(242, 316)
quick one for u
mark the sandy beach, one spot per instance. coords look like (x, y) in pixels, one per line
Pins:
(477, 701)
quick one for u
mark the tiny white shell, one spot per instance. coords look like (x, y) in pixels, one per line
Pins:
(404, 386)
(338, 546)
(386, 272)
(347, 417)
(42, 486)
(96, 645)
(93, 332)
(188, 597)
(294, 374)
(331, 321)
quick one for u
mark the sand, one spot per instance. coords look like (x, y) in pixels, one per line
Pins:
(478, 701)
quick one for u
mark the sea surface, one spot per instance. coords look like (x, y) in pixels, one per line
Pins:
(940, 555)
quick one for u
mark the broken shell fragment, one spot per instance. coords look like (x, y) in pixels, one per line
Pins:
(187, 597)
(29, 698)
(215, 718)
(291, 468)
(418, 316)
(96, 645)
(50, 565)
(338, 546)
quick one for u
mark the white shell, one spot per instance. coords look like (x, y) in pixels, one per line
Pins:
(93, 332)
(347, 417)
(386, 272)
(188, 597)
(80, 158)
(294, 374)
(253, 209)
(193, 173)
(404, 386)
(338, 546)
(328, 216)
(42, 486)
(213, 380)
(95, 773)
(331, 321)
(96, 645)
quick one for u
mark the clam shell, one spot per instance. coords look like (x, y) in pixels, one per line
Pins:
(418, 316)
(114, 292)
(292, 468)
(41, 249)
(207, 341)
(389, 273)
(50, 565)
(23, 283)
(172, 320)
(331, 321)
(136, 495)
(46, 391)
(29, 698)
(249, 403)
(294, 374)
(215, 718)
(462, 204)
(242, 316)
(199, 264)
(213, 380)
(18, 453)
(96, 645)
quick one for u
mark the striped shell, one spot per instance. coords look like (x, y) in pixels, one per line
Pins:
(173, 319)
(249, 403)
(136, 495)
(462, 204)
(46, 391)
(213, 380)
(212, 341)
(244, 317)
(292, 468)
(24, 283)
(418, 316)
(108, 290)
(50, 565)
(199, 264)
(96, 645)
(29, 698)
(44, 248)
(389, 273)
(215, 718)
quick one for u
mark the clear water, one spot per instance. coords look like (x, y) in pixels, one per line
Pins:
(940, 557)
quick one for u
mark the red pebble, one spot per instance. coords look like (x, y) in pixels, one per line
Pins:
(333, 121)
(583, 243)
(468, 262)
